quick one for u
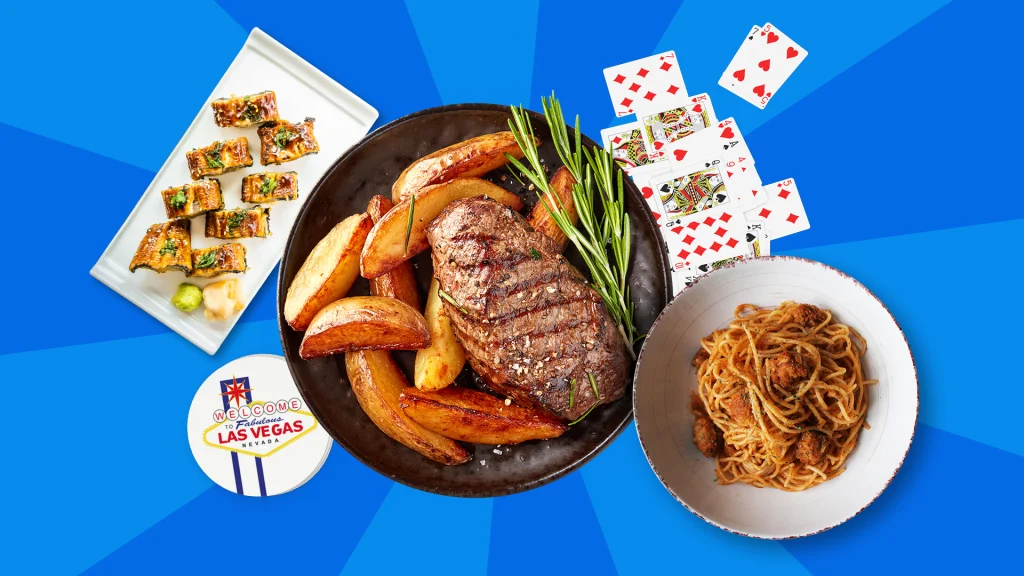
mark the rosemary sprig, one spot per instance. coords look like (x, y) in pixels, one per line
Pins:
(408, 227)
(572, 393)
(593, 384)
(599, 235)
(585, 414)
(449, 298)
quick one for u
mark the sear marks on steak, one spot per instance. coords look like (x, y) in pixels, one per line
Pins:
(528, 319)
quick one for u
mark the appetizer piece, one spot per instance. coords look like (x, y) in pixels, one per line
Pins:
(217, 260)
(188, 297)
(282, 141)
(473, 416)
(219, 157)
(438, 365)
(238, 223)
(364, 323)
(377, 383)
(473, 157)
(270, 187)
(190, 200)
(401, 233)
(328, 272)
(166, 246)
(245, 111)
(222, 299)
(400, 282)
(542, 221)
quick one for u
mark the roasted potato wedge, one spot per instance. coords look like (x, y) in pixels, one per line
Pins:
(541, 220)
(439, 364)
(364, 323)
(473, 416)
(385, 246)
(378, 384)
(400, 282)
(473, 157)
(328, 272)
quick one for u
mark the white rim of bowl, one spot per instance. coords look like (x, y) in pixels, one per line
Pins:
(917, 396)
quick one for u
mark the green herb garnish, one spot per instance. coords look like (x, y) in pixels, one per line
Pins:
(179, 199)
(572, 392)
(604, 242)
(169, 248)
(207, 259)
(593, 385)
(213, 157)
(283, 136)
(267, 184)
(251, 112)
(235, 220)
(408, 226)
(534, 254)
(448, 297)
(585, 414)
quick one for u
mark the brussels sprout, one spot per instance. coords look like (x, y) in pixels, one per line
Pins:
(188, 297)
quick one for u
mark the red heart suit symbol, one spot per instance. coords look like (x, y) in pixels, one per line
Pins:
(772, 37)
(647, 192)
(791, 53)
(740, 74)
(696, 109)
(764, 65)
(728, 133)
(759, 90)
(679, 154)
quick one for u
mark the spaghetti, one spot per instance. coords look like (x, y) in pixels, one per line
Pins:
(781, 397)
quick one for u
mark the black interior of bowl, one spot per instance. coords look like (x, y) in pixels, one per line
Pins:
(371, 167)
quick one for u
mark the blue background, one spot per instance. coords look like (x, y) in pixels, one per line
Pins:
(902, 128)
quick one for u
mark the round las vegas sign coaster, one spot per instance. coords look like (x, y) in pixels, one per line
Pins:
(250, 430)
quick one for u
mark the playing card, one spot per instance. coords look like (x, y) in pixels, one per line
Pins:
(646, 85)
(685, 192)
(642, 177)
(758, 75)
(784, 212)
(707, 236)
(721, 139)
(663, 128)
(626, 145)
(743, 54)
(757, 237)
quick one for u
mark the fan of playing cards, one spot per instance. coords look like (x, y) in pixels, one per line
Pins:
(695, 171)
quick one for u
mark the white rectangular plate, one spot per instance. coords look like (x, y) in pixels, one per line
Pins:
(302, 91)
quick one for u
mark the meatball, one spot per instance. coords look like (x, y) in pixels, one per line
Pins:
(787, 370)
(700, 358)
(810, 448)
(808, 316)
(705, 437)
(739, 409)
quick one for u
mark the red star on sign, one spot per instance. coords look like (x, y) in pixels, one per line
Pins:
(236, 392)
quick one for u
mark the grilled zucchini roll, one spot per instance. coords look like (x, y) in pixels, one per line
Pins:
(219, 157)
(245, 111)
(238, 223)
(190, 200)
(217, 260)
(283, 141)
(270, 187)
(166, 246)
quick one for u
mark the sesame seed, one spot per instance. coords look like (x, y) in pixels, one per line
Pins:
(551, 289)
(508, 401)
(496, 451)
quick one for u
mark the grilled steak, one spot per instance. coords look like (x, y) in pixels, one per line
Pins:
(528, 319)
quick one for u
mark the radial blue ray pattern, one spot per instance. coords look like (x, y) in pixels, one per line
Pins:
(311, 530)
(556, 524)
(948, 320)
(121, 79)
(114, 458)
(467, 46)
(412, 526)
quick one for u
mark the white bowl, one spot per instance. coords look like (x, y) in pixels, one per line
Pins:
(664, 379)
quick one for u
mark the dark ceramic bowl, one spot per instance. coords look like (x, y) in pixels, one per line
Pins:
(370, 168)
